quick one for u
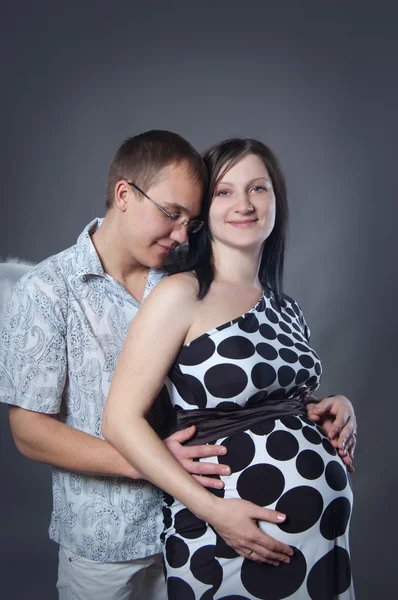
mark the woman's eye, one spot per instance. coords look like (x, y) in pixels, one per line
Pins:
(222, 193)
(258, 188)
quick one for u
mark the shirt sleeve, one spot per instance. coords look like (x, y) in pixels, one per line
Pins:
(33, 353)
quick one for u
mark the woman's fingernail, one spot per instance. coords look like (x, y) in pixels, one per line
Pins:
(225, 471)
(280, 517)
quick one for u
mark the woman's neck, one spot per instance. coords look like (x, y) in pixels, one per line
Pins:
(235, 266)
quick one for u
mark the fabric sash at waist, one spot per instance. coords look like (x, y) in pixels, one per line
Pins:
(213, 423)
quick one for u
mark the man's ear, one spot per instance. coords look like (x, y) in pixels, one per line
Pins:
(121, 194)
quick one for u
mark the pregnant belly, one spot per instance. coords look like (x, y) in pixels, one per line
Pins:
(290, 466)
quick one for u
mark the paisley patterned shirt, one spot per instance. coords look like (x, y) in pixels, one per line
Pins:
(64, 329)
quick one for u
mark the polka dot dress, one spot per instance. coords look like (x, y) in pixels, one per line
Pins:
(285, 464)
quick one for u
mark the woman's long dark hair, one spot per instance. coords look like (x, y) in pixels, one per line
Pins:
(219, 159)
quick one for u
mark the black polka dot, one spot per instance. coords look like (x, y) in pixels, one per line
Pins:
(291, 313)
(286, 375)
(288, 355)
(263, 375)
(274, 305)
(292, 392)
(302, 375)
(223, 550)
(261, 305)
(335, 476)
(286, 318)
(177, 588)
(291, 423)
(233, 597)
(303, 506)
(167, 520)
(330, 576)
(285, 327)
(177, 552)
(311, 435)
(261, 484)
(309, 464)
(236, 347)
(205, 568)
(306, 419)
(267, 331)
(298, 337)
(285, 340)
(209, 595)
(271, 315)
(249, 323)
(329, 447)
(318, 369)
(190, 389)
(296, 309)
(302, 347)
(282, 445)
(256, 399)
(335, 518)
(306, 361)
(225, 381)
(278, 393)
(267, 582)
(312, 380)
(267, 351)
(189, 525)
(263, 428)
(241, 451)
(202, 349)
(227, 405)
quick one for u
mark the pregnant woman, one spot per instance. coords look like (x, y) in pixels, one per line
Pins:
(241, 369)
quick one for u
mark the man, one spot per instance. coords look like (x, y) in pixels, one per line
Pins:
(63, 333)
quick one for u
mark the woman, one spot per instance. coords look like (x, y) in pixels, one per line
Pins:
(241, 369)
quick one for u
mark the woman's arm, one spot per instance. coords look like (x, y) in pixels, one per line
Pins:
(153, 341)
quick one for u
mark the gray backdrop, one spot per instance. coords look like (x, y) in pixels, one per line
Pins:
(315, 80)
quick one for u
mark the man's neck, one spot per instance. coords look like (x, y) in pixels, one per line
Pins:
(118, 263)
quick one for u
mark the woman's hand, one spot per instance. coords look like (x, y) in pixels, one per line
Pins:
(337, 417)
(236, 522)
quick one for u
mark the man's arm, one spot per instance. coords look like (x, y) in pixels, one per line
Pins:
(41, 437)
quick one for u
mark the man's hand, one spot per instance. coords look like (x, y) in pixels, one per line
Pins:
(236, 522)
(187, 457)
(336, 415)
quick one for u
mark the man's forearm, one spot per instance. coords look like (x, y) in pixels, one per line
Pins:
(42, 438)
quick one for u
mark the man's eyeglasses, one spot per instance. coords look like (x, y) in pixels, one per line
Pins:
(193, 226)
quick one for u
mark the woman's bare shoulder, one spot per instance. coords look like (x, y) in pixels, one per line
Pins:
(177, 290)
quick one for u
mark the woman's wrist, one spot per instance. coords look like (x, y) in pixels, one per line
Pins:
(205, 505)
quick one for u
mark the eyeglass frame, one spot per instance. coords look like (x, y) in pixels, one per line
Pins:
(185, 222)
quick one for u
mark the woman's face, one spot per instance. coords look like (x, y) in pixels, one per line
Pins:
(242, 213)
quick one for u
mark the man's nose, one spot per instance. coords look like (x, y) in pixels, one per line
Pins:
(179, 234)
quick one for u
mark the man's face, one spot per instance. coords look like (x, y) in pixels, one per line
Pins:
(149, 234)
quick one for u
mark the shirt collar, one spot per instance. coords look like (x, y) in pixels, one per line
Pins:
(87, 261)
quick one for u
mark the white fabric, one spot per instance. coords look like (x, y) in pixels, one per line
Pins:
(82, 579)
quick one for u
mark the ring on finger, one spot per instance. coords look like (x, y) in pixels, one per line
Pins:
(249, 553)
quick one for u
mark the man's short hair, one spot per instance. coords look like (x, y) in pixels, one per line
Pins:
(141, 159)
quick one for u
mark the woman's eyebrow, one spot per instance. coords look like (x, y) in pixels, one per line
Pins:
(248, 183)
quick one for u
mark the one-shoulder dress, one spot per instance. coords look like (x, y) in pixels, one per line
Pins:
(256, 363)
